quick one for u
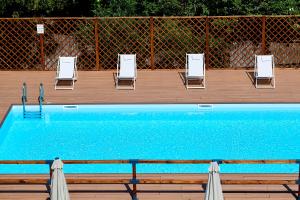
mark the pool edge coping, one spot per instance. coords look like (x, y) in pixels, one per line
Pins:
(127, 103)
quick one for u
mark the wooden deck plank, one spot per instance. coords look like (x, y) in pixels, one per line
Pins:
(145, 192)
(152, 87)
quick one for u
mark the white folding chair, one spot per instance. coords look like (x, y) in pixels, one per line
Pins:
(195, 70)
(126, 70)
(264, 69)
(66, 71)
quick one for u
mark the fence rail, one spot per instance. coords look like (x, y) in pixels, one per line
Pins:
(144, 161)
(159, 42)
(135, 181)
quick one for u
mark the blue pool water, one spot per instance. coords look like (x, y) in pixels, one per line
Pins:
(185, 131)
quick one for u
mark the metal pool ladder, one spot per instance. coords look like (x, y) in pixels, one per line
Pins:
(32, 114)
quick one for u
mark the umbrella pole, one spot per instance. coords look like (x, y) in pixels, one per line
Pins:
(50, 172)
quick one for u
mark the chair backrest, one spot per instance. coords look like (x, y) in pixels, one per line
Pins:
(195, 64)
(127, 65)
(66, 67)
(264, 65)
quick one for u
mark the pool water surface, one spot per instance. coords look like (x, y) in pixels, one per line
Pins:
(153, 131)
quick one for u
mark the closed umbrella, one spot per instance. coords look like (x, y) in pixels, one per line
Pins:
(59, 189)
(214, 188)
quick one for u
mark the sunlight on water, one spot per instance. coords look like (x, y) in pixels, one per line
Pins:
(265, 131)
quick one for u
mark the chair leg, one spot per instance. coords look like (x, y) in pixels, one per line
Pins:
(186, 83)
(73, 84)
(55, 84)
(256, 82)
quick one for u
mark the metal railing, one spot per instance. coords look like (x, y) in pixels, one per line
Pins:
(136, 181)
(24, 98)
(32, 114)
(41, 97)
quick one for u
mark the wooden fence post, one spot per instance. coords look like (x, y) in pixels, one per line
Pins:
(298, 182)
(134, 180)
(152, 43)
(263, 36)
(207, 43)
(42, 51)
(97, 45)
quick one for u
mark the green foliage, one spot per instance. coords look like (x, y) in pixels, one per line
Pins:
(195, 7)
(178, 37)
(126, 37)
(37, 8)
(29, 8)
(115, 8)
(271, 7)
(85, 44)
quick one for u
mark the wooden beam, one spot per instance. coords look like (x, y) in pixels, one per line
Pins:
(146, 181)
(260, 161)
(151, 161)
(263, 35)
(152, 64)
(96, 29)
(207, 42)
(21, 181)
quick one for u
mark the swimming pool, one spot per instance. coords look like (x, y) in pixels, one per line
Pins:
(153, 131)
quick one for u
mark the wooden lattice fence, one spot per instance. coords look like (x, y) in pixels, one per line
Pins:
(159, 42)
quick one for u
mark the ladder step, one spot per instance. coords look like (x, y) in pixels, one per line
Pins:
(32, 114)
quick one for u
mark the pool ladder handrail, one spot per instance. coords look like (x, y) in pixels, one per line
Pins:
(41, 98)
(24, 98)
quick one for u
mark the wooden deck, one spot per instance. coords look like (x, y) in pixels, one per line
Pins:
(157, 192)
(152, 87)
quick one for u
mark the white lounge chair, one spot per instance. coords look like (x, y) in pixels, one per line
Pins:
(195, 70)
(66, 71)
(264, 69)
(126, 70)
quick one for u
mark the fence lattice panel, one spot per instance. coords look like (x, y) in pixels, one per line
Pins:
(19, 45)
(174, 37)
(283, 40)
(233, 41)
(70, 37)
(124, 36)
(158, 42)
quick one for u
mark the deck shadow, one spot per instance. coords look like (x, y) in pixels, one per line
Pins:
(129, 191)
(182, 77)
(123, 84)
(262, 82)
(291, 191)
(154, 191)
(251, 76)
